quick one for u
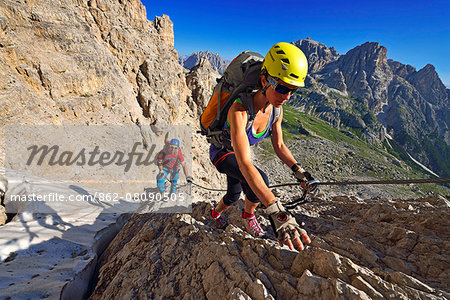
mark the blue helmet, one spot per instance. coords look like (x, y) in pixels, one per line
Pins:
(175, 142)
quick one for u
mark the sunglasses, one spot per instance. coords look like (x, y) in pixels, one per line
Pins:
(173, 147)
(279, 88)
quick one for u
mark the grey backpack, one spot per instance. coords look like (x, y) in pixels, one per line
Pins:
(240, 80)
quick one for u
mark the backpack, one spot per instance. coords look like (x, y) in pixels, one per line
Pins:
(240, 80)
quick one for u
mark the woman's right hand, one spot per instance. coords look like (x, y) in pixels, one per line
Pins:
(286, 227)
(303, 176)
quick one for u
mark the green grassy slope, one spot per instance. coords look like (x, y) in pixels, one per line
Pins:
(386, 161)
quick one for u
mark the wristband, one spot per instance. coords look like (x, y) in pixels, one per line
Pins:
(271, 202)
(295, 167)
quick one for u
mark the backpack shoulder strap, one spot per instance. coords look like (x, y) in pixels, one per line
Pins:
(247, 101)
(276, 115)
(218, 88)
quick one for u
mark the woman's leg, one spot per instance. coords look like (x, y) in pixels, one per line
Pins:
(234, 190)
(175, 177)
(249, 207)
(221, 207)
(161, 181)
(235, 183)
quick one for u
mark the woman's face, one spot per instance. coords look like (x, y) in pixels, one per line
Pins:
(276, 98)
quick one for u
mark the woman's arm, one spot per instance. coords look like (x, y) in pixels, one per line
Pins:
(278, 144)
(237, 117)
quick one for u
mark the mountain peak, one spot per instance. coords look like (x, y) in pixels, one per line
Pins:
(217, 63)
(370, 51)
(318, 54)
(428, 83)
(400, 69)
(368, 57)
(428, 68)
(370, 44)
(363, 72)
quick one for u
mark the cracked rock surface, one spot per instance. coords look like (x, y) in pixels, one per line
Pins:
(388, 249)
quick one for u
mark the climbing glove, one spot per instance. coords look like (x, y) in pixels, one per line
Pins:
(300, 173)
(285, 226)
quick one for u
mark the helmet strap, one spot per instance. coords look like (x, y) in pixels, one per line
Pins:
(265, 106)
(264, 89)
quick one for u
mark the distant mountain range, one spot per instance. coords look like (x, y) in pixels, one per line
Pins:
(380, 99)
(190, 61)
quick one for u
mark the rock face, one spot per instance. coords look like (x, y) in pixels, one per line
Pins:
(3, 216)
(366, 74)
(201, 80)
(429, 85)
(318, 54)
(93, 62)
(365, 91)
(218, 64)
(400, 69)
(87, 62)
(360, 250)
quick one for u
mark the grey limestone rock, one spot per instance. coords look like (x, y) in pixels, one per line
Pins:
(429, 85)
(201, 80)
(318, 54)
(352, 255)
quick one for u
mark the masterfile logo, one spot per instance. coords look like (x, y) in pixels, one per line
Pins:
(54, 155)
(99, 163)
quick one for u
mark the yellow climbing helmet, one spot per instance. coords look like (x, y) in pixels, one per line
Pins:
(286, 62)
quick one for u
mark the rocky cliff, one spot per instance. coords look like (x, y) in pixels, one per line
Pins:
(87, 62)
(95, 62)
(360, 250)
(83, 63)
(201, 80)
(218, 64)
(365, 91)
(366, 74)
(318, 54)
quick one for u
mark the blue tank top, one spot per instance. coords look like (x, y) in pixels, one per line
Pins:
(253, 137)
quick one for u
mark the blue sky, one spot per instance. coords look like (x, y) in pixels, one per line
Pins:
(414, 32)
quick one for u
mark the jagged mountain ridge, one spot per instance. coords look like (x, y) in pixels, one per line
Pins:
(73, 62)
(365, 91)
(218, 64)
(317, 53)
